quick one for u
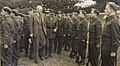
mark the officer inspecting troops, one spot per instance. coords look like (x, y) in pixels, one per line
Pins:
(110, 36)
(38, 32)
(95, 29)
(43, 34)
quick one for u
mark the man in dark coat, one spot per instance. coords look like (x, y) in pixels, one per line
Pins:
(31, 49)
(110, 36)
(59, 34)
(50, 24)
(74, 47)
(16, 36)
(82, 30)
(38, 32)
(95, 29)
(7, 42)
(68, 30)
(26, 34)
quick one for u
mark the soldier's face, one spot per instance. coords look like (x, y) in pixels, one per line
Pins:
(93, 14)
(30, 12)
(3, 12)
(107, 10)
(59, 15)
(81, 15)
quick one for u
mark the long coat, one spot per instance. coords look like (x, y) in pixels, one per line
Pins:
(7, 38)
(38, 28)
(8, 30)
(111, 34)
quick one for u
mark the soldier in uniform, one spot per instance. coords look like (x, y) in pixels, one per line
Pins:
(74, 51)
(50, 24)
(21, 33)
(59, 34)
(26, 34)
(8, 31)
(31, 49)
(68, 27)
(95, 29)
(14, 16)
(38, 32)
(110, 36)
(81, 34)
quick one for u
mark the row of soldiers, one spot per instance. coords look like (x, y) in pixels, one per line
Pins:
(13, 36)
(71, 32)
(41, 35)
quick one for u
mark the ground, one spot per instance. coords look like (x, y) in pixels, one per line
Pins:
(56, 60)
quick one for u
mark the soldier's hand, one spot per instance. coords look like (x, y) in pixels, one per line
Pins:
(54, 30)
(76, 37)
(98, 45)
(83, 40)
(14, 41)
(30, 41)
(31, 35)
(64, 35)
(113, 54)
(5, 46)
(68, 34)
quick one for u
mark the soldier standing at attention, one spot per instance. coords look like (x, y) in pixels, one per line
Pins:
(74, 47)
(50, 24)
(110, 36)
(95, 29)
(58, 34)
(8, 31)
(68, 28)
(82, 30)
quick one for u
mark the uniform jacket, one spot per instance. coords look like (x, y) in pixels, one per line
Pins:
(74, 27)
(94, 31)
(60, 27)
(68, 26)
(82, 29)
(111, 34)
(8, 30)
(50, 24)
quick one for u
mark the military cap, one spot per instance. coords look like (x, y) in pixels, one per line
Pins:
(95, 11)
(21, 14)
(83, 12)
(7, 9)
(47, 11)
(30, 9)
(59, 12)
(16, 12)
